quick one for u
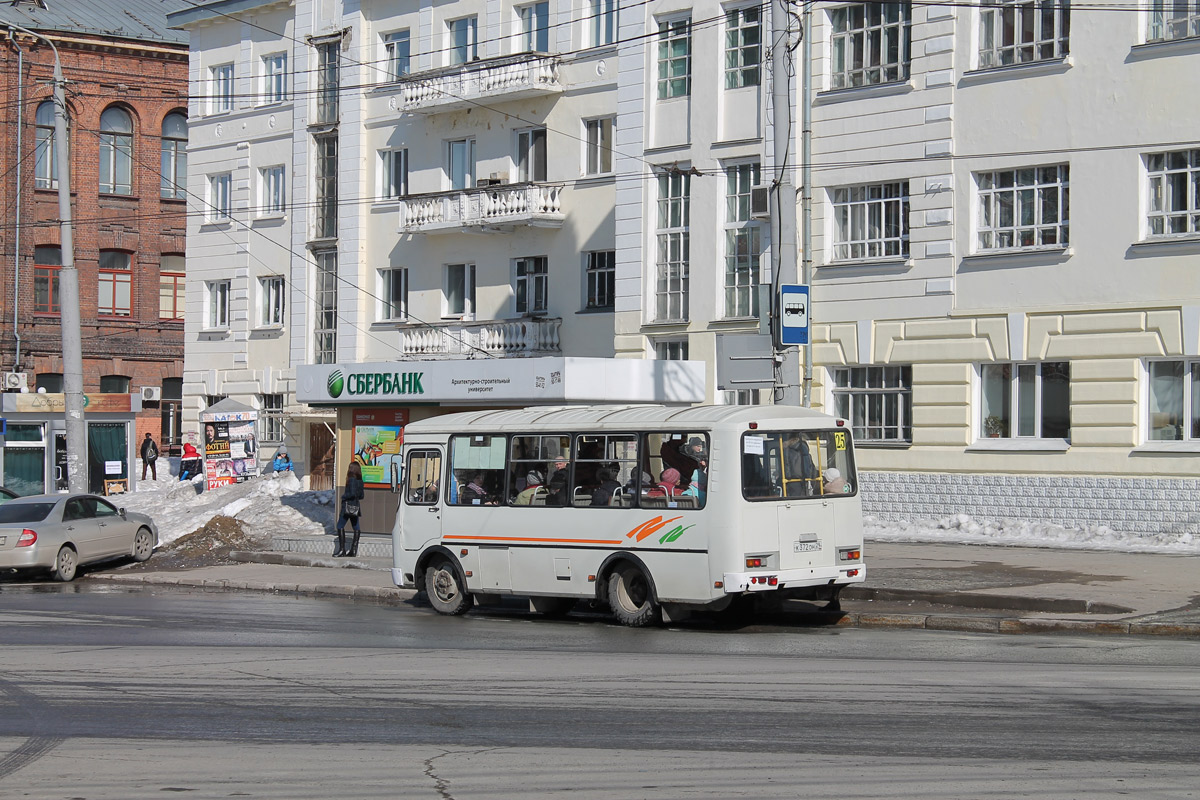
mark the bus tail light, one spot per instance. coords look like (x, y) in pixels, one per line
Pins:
(849, 554)
(718, 584)
(766, 580)
(751, 563)
(27, 538)
(851, 573)
(773, 581)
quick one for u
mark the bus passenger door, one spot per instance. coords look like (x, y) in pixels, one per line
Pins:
(420, 520)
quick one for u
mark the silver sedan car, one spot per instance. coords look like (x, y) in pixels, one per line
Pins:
(61, 532)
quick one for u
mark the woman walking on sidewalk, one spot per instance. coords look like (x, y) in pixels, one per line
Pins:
(352, 497)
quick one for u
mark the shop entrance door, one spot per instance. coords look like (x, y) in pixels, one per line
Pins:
(60, 463)
(320, 457)
(107, 445)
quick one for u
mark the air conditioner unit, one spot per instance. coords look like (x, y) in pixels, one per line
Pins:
(760, 202)
(16, 380)
(151, 394)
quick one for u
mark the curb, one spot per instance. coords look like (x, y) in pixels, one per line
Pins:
(308, 589)
(1051, 605)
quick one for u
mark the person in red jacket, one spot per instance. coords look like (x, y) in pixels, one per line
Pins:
(668, 484)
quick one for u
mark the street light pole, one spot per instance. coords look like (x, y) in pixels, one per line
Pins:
(784, 211)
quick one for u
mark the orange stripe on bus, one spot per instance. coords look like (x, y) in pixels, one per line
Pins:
(532, 539)
(649, 527)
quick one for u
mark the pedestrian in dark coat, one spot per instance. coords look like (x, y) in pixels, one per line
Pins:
(149, 455)
(352, 497)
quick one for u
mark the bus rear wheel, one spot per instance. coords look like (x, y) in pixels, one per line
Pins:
(629, 597)
(445, 589)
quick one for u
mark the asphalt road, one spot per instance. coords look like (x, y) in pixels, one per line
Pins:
(108, 693)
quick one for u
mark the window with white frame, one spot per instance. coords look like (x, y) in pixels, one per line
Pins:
(458, 291)
(600, 273)
(220, 201)
(275, 78)
(674, 58)
(326, 307)
(535, 27)
(598, 138)
(116, 151)
(1173, 19)
(393, 173)
(172, 286)
(870, 43)
(115, 284)
(740, 397)
(870, 221)
(397, 52)
(1025, 207)
(674, 246)
(743, 47)
(671, 350)
(743, 242)
(45, 158)
(393, 294)
(877, 401)
(274, 191)
(1025, 400)
(463, 43)
(460, 164)
(173, 165)
(329, 80)
(1021, 32)
(602, 16)
(531, 280)
(216, 305)
(531, 155)
(1173, 205)
(1173, 402)
(220, 88)
(325, 184)
(271, 301)
(270, 420)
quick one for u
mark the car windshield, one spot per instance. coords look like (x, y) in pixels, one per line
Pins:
(24, 512)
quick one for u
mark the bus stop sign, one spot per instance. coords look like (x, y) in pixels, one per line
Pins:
(793, 314)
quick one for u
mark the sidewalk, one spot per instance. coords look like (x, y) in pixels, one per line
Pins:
(931, 586)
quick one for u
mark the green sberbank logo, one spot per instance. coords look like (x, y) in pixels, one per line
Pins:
(375, 383)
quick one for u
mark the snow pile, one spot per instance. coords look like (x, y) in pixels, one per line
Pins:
(965, 529)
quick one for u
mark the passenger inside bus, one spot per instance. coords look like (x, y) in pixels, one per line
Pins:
(474, 493)
(835, 483)
(799, 469)
(534, 493)
(603, 494)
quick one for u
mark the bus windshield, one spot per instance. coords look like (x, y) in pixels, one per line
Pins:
(783, 465)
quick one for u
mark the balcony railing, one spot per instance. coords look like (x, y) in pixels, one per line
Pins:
(526, 337)
(507, 78)
(494, 208)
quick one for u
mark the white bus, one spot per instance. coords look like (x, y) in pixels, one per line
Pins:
(653, 511)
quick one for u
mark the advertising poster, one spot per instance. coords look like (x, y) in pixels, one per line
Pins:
(230, 447)
(378, 435)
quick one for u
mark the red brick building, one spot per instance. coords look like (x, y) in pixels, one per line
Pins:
(127, 79)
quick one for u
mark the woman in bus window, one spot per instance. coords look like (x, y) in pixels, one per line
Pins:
(668, 484)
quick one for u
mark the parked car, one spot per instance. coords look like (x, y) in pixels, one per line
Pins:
(61, 532)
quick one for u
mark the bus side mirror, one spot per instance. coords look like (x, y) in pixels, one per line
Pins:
(395, 477)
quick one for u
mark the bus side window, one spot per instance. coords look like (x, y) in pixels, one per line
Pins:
(477, 468)
(423, 477)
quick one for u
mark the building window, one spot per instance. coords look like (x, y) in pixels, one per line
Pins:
(116, 152)
(220, 93)
(535, 27)
(458, 300)
(598, 135)
(271, 292)
(1173, 406)
(326, 181)
(743, 242)
(274, 190)
(870, 44)
(1174, 193)
(600, 272)
(52, 382)
(740, 397)
(393, 174)
(270, 421)
(397, 52)
(171, 287)
(1173, 19)
(1026, 400)
(743, 47)
(171, 409)
(671, 350)
(870, 221)
(47, 261)
(1023, 208)
(275, 78)
(531, 155)
(114, 384)
(1020, 32)
(531, 282)
(603, 17)
(674, 58)
(216, 301)
(220, 190)
(674, 244)
(211, 400)
(876, 400)
(174, 156)
(464, 42)
(115, 295)
(325, 324)
(328, 81)
(460, 164)
(45, 166)
(393, 294)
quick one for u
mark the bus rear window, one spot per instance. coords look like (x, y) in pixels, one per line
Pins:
(785, 465)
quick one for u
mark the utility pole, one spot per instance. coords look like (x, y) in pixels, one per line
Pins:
(787, 387)
(806, 185)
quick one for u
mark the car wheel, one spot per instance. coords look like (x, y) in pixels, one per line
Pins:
(66, 564)
(143, 545)
(445, 589)
(629, 596)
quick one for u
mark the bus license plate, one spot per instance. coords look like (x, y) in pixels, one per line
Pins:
(806, 547)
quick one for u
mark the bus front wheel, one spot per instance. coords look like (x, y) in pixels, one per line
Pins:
(445, 589)
(629, 596)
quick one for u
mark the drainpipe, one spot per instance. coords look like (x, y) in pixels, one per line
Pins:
(12, 38)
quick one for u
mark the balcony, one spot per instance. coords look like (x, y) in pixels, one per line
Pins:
(493, 209)
(526, 337)
(506, 78)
